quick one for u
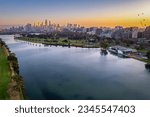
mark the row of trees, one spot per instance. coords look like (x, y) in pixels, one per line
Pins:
(148, 55)
(14, 62)
(104, 43)
(64, 34)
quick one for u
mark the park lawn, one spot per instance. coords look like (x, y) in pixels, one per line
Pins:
(143, 50)
(4, 75)
(59, 41)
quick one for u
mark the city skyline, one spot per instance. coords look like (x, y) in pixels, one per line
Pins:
(86, 12)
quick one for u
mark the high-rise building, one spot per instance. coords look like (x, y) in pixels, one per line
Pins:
(46, 22)
(38, 23)
(147, 32)
(28, 28)
(34, 24)
(41, 25)
(49, 23)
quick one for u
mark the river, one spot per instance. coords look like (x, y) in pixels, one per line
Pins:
(62, 73)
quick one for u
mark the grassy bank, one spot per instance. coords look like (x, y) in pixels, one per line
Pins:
(140, 59)
(5, 76)
(61, 42)
(76, 43)
(11, 83)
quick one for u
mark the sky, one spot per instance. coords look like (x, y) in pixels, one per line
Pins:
(108, 13)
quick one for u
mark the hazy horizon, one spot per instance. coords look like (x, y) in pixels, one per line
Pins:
(105, 13)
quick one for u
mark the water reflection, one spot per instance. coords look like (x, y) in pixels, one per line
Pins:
(78, 73)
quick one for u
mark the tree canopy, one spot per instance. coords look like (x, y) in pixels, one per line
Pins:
(148, 54)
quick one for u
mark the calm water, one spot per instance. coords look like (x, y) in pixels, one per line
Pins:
(78, 73)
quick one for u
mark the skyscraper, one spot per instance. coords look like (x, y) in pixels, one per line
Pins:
(49, 23)
(46, 23)
(38, 23)
(34, 25)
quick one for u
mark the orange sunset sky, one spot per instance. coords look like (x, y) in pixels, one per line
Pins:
(87, 13)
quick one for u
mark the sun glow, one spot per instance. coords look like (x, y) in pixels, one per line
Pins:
(124, 13)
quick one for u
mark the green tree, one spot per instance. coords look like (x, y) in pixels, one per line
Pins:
(148, 55)
(104, 45)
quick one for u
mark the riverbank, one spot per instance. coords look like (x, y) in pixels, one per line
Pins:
(4, 75)
(61, 42)
(11, 86)
(140, 59)
(75, 43)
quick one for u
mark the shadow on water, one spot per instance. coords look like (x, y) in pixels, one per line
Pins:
(147, 66)
(89, 98)
(49, 95)
(58, 73)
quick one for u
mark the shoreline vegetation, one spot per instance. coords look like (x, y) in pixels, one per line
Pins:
(11, 83)
(61, 42)
(75, 43)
